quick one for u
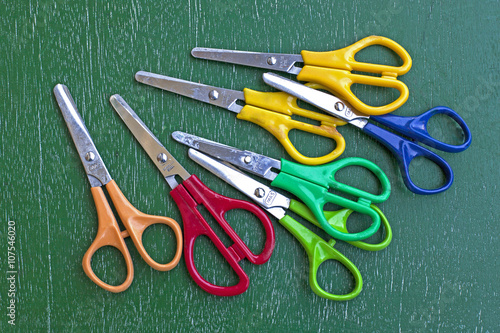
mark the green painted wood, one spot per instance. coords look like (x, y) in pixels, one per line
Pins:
(440, 273)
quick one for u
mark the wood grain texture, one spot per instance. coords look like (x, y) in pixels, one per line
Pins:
(440, 274)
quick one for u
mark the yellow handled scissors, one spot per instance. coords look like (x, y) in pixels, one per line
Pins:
(331, 69)
(109, 233)
(270, 110)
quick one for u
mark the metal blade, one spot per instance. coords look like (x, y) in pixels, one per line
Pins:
(164, 161)
(94, 167)
(256, 164)
(326, 102)
(225, 98)
(274, 202)
(273, 61)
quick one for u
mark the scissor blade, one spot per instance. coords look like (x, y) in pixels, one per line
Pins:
(94, 167)
(326, 102)
(256, 164)
(164, 161)
(225, 98)
(273, 61)
(274, 202)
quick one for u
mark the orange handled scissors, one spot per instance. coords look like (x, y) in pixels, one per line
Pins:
(109, 233)
(331, 69)
(270, 110)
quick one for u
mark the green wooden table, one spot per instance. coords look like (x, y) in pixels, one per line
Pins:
(440, 274)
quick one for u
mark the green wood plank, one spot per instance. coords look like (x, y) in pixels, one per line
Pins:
(440, 272)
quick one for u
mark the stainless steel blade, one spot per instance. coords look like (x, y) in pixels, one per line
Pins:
(326, 102)
(272, 61)
(96, 171)
(256, 164)
(274, 202)
(225, 98)
(164, 161)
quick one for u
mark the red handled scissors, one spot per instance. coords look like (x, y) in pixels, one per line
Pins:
(191, 193)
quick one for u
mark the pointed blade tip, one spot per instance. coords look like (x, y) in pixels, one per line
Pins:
(177, 135)
(61, 90)
(58, 87)
(195, 52)
(139, 76)
(114, 97)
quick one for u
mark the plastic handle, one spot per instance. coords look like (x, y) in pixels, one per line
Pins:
(108, 234)
(405, 151)
(339, 83)
(333, 70)
(344, 58)
(338, 220)
(416, 128)
(193, 192)
(273, 111)
(318, 252)
(311, 183)
(137, 222)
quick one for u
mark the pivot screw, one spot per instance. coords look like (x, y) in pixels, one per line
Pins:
(90, 156)
(213, 95)
(271, 61)
(339, 106)
(247, 159)
(259, 192)
(162, 157)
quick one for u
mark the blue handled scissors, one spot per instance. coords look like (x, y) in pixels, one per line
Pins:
(413, 127)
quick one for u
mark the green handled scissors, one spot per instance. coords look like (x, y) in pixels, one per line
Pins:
(310, 184)
(318, 250)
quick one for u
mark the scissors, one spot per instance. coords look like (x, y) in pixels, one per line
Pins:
(109, 233)
(330, 69)
(309, 183)
(191, 193)
(271, 111)
(317, 249)
(413, 127)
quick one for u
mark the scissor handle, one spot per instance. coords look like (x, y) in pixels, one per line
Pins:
(344, 58)
(333, 70)
(108, 234)
(188, 196)
(416, 128)
(311, 183)
(338, 220)
(383, 243)
(273, 111)
(318, 252)
(137, 222)
(405, 151)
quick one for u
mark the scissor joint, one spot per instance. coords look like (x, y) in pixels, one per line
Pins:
(235, 253)
(364, 201)
(390, 75)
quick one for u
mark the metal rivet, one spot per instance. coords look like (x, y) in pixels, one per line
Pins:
(162, 157)
(247, 159)
(339, 106)
(259, 192)
(348, 113)
(213, 95)
(271, 60)
(90, 156)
